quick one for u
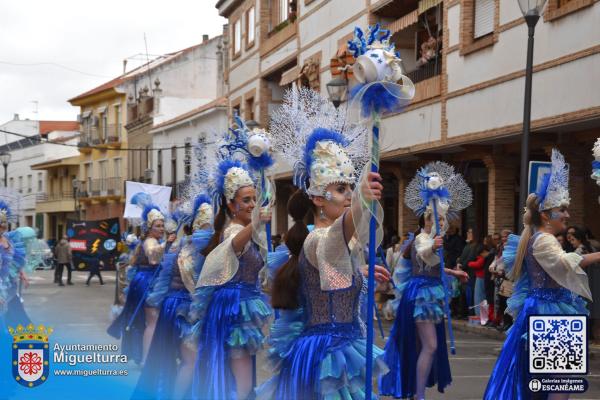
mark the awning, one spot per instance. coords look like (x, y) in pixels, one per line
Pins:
(86, 114)
(101, 110)
(404, 22)
(289, 76)
(425, 5)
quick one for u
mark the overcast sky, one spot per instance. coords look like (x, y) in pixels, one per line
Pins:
(90, 37)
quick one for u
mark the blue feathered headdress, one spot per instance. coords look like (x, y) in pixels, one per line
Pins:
(223, 187)
(5, 211)
(198, 201)
(302, 168)
(151, 213)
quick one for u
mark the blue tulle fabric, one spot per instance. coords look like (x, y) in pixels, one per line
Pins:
(276, 259)
(510, 378)
(422, 299)
(379, 97)
(131, 341)
(231, 327)
(160, 369)
(323, 362)
(160, 287)
(200, 239)
(12, 260)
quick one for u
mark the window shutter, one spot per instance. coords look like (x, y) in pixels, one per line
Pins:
(484, 17)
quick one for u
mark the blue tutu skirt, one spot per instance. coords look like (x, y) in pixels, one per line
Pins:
(510, 377)
(132, 340)
(324, 362)
(232, 327)
(422, 300)
(16, 313)
(160, 370)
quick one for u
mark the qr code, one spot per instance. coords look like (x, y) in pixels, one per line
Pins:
(557, 344)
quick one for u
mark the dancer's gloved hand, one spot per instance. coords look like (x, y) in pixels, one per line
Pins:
(371, 188)
(382, 275)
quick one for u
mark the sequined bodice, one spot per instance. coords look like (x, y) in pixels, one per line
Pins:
(537, 276)
(420, 267)
(251, 263)
(327, 307)
(142, 259)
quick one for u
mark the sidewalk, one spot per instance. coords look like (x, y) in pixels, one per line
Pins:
(493, 333)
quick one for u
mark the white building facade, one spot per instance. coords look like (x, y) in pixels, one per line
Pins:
(467, 59)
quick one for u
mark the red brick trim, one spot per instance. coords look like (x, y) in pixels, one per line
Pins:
(555, 11)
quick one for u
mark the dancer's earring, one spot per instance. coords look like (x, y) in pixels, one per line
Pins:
(321, 214)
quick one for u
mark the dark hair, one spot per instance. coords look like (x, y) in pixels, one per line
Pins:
(219, 225)
(580, 235)
(287, 280)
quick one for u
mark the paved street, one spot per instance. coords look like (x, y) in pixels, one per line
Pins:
(85, 310)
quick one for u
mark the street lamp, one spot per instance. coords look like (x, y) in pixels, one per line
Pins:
(337, 89)
(532, 10)
(251, 124)
(5, 160)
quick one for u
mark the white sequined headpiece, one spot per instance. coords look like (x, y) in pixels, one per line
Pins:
(554, 190)
(236, 178)
(203, 217)
(153, 216)
(317, 140)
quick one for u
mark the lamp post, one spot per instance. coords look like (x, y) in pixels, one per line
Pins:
(532, 10)
(337, 89)
(5, 160)
(251, 124)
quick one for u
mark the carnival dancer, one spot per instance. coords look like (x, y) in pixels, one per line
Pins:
(548, 280)
(318, 346)
(135, 325)
(228, 306)
(416, 351)
(162, 376)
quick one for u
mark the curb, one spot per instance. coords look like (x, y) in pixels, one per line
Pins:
(492, 333)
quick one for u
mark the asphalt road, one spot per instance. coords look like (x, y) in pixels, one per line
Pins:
(86, 311)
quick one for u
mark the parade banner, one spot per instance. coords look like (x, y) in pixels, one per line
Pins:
(160, 196)
(93, 241)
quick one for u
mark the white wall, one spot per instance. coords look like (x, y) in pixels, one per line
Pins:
(20, 167)
(206, 124)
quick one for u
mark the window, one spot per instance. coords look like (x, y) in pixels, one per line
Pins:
(484, 18)
(249, 109)
(173, 165)
(29, 183)
(12, 183)
(103, 174)
(118, 122)
(187, 159)
(250, 26)
(237, 37)
(40, 186)
(159, 167)
(284, 10)
(104, 117)
(117, 167)
(20, 184)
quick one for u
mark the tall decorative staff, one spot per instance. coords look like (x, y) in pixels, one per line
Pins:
(439, 188)
(596, 163)
(255, 146)
(378, 70)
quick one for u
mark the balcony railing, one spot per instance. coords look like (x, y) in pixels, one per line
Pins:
(93, 136)
(426, 71)
(54, 196)
(101, 187)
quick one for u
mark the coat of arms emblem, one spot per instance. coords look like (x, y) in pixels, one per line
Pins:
(30, 354)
